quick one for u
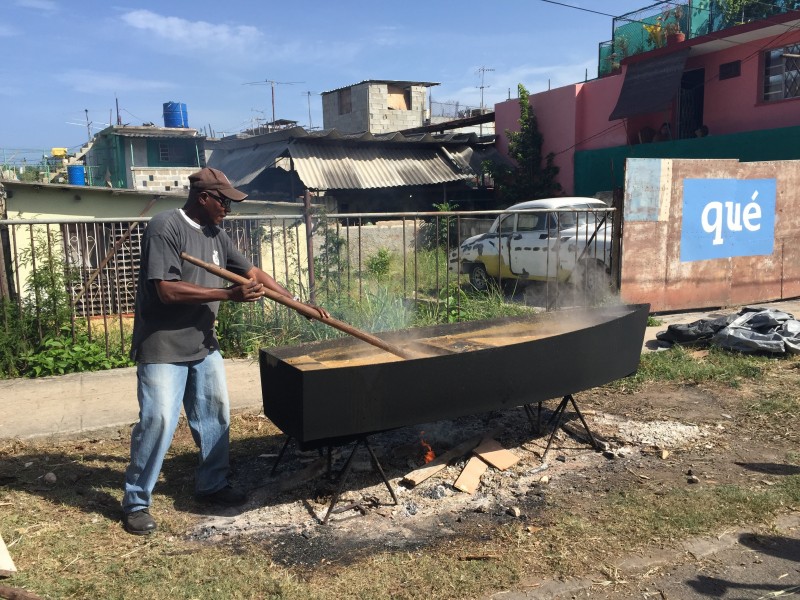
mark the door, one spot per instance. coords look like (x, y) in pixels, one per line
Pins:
(690, 109)
(532, 247)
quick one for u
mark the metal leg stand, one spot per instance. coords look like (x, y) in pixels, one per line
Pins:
(283, 451)
(280, 456)
(558, 415)
(529, 411)
(343, 479)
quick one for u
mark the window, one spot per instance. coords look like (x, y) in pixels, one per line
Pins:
(88, 245)
(398, 98)
(163, 152)
(730, 70)
(345, 101)
(782, 73)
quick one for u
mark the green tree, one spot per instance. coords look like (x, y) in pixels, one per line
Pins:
(745, 11)
(534, 175)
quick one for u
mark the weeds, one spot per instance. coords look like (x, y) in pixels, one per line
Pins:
(681, 365)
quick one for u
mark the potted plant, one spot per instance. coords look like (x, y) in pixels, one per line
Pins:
(655, 33)
(672, 26)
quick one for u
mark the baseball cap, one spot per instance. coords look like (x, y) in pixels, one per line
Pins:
(210, 179)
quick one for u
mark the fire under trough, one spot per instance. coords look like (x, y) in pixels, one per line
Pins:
(338, 392)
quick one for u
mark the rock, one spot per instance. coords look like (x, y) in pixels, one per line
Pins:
(514, 512)
(561, 457)
(50, 478)
(544, 479)
(693, 479)
(664, 454)
(609, 454)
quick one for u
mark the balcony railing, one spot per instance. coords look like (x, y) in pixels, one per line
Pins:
(647, 28)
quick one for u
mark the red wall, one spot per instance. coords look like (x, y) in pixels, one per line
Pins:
(734, 105)
(575, 117)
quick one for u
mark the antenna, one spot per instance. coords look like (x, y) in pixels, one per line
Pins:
(307, 94)
(482, 70)
(272, 85)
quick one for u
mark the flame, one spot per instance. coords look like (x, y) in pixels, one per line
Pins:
(426, 447)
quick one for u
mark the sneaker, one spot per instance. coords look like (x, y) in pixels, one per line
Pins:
(139, 522)
(227, 496)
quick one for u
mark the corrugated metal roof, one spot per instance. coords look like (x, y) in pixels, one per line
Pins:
(242, 165)
(399, 82)
(149, 131)
(331, 167)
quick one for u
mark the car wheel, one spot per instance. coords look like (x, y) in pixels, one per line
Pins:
(479, 278)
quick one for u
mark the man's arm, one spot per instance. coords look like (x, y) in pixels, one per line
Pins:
(183, 292)
(269, 282)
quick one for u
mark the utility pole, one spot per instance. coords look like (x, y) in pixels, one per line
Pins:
(482, 72)
(88, 124)
(272, 85)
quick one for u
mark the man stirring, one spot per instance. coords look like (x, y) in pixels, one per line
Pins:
(176, 349)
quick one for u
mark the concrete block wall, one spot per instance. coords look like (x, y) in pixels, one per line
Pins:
(371, 112)
(168, 179)
(386, 235)
(383, 119)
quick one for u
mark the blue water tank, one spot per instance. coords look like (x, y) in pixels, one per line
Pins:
(175, 114)
(76, 174)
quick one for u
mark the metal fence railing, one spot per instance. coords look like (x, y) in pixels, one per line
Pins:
(91, 266)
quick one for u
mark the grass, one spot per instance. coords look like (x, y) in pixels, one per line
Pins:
(683, 365)
(67, 542)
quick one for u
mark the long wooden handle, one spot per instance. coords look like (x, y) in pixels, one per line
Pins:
(303, 309)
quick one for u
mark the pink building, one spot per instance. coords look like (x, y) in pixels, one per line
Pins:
(742, 82)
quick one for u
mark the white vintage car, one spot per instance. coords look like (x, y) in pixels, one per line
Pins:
(564, 239)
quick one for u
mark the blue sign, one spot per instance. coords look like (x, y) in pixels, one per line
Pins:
(723, 218)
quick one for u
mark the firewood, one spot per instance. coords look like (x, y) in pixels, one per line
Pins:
(7, 567)
(491, 452)
(10, 593)
(577, 430)
(440, 462)
(470, 477)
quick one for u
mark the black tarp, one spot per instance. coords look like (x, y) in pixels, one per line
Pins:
(753, 329)
(650, 85)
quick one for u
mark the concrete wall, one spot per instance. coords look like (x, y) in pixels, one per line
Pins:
(27, 202)
(666, 213)
(371, 112)
(164, 179)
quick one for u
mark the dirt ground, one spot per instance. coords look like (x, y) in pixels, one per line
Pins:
(658, 438)
(662, 437)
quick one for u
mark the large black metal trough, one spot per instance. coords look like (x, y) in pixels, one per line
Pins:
(324, 392)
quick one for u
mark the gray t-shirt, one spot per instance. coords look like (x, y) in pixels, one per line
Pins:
(169, 333)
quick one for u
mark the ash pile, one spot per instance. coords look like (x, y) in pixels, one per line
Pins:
(457, 477)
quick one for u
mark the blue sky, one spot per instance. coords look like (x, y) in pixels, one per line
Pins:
(62, 58)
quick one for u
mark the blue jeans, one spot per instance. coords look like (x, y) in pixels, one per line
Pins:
(201, 387)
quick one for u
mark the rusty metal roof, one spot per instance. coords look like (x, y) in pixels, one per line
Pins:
(335, 166)
(329, 159)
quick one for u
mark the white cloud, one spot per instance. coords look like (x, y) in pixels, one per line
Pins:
(49, 6)
(193, 35)
(90, 82)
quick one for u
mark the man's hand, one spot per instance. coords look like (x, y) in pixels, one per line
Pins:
(247, 292)
(323, 314)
